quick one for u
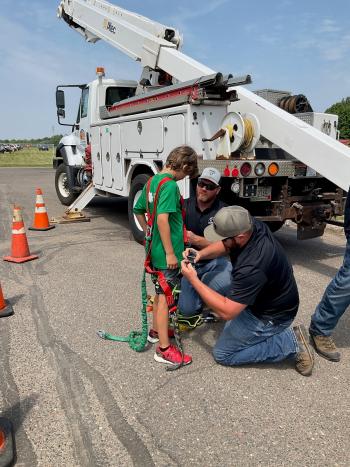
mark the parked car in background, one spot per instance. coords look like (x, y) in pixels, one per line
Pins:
(43, 147)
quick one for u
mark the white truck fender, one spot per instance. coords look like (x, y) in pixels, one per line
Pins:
(71, 150)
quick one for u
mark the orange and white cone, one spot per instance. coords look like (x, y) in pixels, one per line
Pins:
(5, 306)
(19, 250)
(7, 443)
(41, 219)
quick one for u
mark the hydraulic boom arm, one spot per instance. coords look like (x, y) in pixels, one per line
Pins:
(156, 46)
(152, 44)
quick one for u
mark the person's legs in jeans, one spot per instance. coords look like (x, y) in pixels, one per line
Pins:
(216, 274)
(246, 339)
(334, 302)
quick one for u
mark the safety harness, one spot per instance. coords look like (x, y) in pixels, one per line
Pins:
(137, 340)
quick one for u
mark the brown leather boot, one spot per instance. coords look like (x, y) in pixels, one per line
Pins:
(325, 347)
(304, 360)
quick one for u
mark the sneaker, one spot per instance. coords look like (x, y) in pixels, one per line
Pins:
(304, 360)
(172, 356)
(325, 347)
(153, 337)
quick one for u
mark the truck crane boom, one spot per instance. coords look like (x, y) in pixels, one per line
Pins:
(154, 45)
(327, 156)
(157, 47)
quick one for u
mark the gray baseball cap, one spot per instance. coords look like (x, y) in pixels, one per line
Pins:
(228, 222)
(211, 174)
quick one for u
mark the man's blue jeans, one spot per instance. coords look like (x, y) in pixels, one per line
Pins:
(335, 300)
(246, 339)
(216, 274)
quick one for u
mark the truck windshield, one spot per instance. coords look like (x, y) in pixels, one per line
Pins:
(117, 94)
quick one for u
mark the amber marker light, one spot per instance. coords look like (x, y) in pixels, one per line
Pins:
(100, 71)
(273, 169)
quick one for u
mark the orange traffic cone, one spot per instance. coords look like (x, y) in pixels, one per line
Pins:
(7, 443)
(41, 219)
(20, 249)
(5, 306)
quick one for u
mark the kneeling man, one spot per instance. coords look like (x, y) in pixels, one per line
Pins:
(264, 298)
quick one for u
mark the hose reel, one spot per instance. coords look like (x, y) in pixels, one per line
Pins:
(295, 104)
(239, 132)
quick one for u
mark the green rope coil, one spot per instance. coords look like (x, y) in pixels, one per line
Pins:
(137, 339)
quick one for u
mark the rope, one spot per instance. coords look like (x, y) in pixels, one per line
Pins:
(248, 134)
(137, 339)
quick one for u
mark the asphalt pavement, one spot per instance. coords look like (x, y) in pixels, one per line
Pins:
(78, 400)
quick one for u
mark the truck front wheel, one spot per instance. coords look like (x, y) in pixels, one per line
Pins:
(64, 193)
(135, 192)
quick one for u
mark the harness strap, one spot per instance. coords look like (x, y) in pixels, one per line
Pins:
(170, 295)
(149, 236)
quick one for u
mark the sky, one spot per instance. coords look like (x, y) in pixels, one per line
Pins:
(302, 46)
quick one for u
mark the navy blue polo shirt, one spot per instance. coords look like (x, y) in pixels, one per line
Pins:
(196, 220)
(262, 277)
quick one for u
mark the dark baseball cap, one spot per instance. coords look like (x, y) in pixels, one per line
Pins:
(228, 222)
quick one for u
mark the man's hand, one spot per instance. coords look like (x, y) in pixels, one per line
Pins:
(190, 251)
(193, 238)
(171, 261)
(197, 241)
(188, 271)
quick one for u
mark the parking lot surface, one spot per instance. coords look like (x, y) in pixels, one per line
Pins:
(78, 400)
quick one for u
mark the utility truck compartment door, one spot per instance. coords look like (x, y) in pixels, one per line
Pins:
(144, 137)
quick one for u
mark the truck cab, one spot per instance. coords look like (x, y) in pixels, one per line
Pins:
(69, 159)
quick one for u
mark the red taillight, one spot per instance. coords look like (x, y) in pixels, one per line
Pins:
(226, 171)
(235, 172)
(246, 168)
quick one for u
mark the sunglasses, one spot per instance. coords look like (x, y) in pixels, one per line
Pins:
(207, 186)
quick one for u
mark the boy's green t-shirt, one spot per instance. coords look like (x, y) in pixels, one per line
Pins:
(168, 202)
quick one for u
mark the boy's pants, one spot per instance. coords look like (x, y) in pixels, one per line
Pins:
(216, 274)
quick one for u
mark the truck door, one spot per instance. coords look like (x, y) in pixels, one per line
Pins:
(117, 164)
(96, 154)
(82, 126)
(106, 156)
(143, 137)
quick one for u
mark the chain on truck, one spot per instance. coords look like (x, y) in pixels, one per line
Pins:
(277, 157)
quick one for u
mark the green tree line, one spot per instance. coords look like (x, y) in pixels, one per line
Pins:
(46, 140)
(342, 109)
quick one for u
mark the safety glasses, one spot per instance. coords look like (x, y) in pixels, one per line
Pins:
(206, 185)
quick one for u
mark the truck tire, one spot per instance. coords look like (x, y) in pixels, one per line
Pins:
(274, 225)
(136, 188)
(64, 193)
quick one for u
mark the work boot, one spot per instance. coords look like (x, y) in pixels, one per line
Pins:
(325, 347)
(304, 360)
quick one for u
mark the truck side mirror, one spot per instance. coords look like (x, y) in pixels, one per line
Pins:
(60, 104)
(61, 113)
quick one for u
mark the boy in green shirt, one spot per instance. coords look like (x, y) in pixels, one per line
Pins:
(167, 243)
